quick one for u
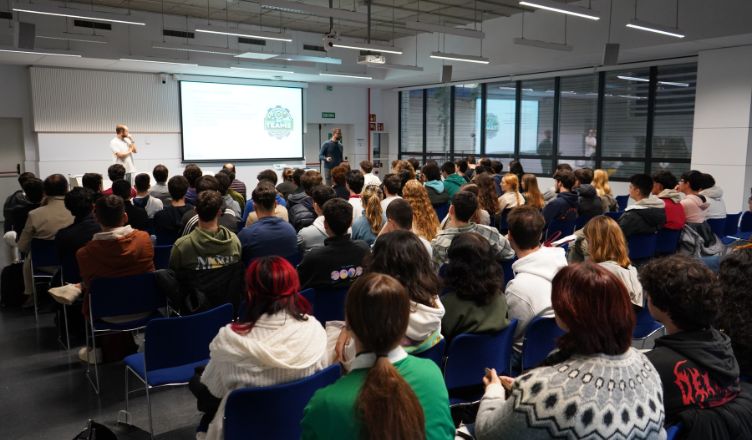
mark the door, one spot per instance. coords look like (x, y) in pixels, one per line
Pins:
(11, 155)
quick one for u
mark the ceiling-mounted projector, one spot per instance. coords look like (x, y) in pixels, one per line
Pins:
(372, 59)
(329, 40)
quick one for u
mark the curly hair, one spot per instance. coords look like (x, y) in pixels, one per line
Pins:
(487, 198)
(472, 271)
(425, 221)
(684, 288)
(371, 199)
(402, 165)
(735, 277)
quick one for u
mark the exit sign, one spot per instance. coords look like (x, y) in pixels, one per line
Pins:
(327, 115)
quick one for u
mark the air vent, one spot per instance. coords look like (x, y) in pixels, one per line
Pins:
(92, 25)
(180, 34)
(6, 15)
(255, 41)
(314, 48)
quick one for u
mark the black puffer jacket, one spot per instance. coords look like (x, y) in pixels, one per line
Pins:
(590, 204)
(302, 214)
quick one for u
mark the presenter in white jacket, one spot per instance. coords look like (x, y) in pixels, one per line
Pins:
(123, 148)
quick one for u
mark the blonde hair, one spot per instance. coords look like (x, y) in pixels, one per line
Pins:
(425, 221)
(532, 193)
(371, 199)
(600, 182)
(513, 183)
(606, 241)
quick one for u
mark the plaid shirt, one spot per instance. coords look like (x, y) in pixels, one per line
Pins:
(500, 245)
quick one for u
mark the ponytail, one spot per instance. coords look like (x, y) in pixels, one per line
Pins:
(387, 406)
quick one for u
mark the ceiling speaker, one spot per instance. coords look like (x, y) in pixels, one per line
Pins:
(611, 54)
(446, 74)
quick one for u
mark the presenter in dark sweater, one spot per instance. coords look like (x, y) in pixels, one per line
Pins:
(331, 154)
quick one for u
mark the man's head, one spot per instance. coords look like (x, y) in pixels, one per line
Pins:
(177, 186)
(583, 176)
(448, 168)
(92, 181)
(339, 175)
(431, 171)
(366, 166)
(526, 225)
(224, 182)
(55, 185)
(34, 189)
(121, 131)
(400, 213)
(464, 205)
(296, 175)
(268, 175)
(640, 186)
(337, 134)
(115, 172)
(564, 180)
(79, 202)
(23, 177)
(122, 188)
(192, 172)
(462, 166)
(684, 185)
(206, 183)
(355, 181)
(160, 173)
(562, 167)
(110, 212)
(708, 181)
(392, 184)
(208, 205)
(337, 216)
(310, 179)
(497, 166)
(663, 180)
(142, 182)
(470, 159)
(229, 167)
(264, 197)
(321, 194)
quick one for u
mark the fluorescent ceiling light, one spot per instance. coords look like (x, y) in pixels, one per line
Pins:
(248, 55)
(41, 53)
(192, 48)
(142, 60)
(396, 67)
(308, 59)
(458, 57)
(676, 84)
(79, 38)
(79, 13)
(320, 11)
(245, 34)
(655, 28)
(543, 44)
(253, 69)
(632, 78)
(345, 75)
(562, 8)
(366, 46)
(430, 27)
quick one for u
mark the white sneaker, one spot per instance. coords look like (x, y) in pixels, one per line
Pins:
(85, 355)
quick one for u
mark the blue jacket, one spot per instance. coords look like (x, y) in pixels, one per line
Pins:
(269, 236)
(563, 208)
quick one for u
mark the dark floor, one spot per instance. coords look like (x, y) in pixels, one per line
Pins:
(44, 393)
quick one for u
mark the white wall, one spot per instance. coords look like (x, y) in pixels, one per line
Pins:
(15, 102)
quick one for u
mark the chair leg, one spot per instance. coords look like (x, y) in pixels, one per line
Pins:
(127, 389)
(148, 405)
(34, 295)
(67, 332)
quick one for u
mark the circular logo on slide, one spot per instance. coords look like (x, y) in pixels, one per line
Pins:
(492, 125)
(278, 122)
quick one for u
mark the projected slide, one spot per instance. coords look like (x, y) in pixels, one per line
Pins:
(222, 122)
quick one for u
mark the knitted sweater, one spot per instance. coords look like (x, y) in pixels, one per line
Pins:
(595, 397)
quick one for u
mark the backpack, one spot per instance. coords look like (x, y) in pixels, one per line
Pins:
(95, 431)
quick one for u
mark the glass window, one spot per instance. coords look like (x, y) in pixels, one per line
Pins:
(411, 131)
(536, 166)
(676, 168)
(467, 119)
(623, 170)
(500, 114)
(578, 115)
(674, 111)
(625, 110)
(537, 117)
(578, 163)
(437, 119)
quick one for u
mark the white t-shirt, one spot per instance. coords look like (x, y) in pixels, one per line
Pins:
(118, 145)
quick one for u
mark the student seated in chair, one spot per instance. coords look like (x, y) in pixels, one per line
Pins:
(648, 213)
(270, 235)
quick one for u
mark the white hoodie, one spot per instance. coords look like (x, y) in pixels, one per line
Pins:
(278, 349)
(714, 197)
(529, 293)
(424, 320)
(629, 277)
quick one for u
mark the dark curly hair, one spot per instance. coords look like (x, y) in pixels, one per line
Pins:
(472, 271)
(735, 277)
(403, 256)
(684, 288)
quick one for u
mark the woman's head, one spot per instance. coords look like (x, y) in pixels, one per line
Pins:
(472, 271)
(402, 255)
(401, 166)
(594, 307)
(425, 221)
(606, 241)
(377, 311)
(287, 174)
(510, 183)
(371, 199)
(339, 175)
(487, 198)
(515, 167)
(532, 192)
(600, 182)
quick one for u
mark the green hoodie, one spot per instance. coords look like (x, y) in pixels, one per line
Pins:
(202, 249)
(453, 183)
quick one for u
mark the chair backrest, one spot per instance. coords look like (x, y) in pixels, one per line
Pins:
(642, 246)
(470, 354)
(125, 295)
(614, 214)
(717, 225)
(328, 304)
(672, 431)
(171, 342)
(745, 224)
(645, 324)
(564, 228)
(69, 266)
(275, 411)
(540, 340)
(581, 221)
(732, 224)
(165, 238)
(667, 241)
(442, 209)
(44, 253)
(162, 256)
(435, 353)
(622, 201)
(506, 266)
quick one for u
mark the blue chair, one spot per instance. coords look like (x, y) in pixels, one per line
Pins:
(622, 201)
(642, 246)
(442, 209)
(275, 411)
(582, 221)
(43, 253)
(614, 215)
(174, 347)
(470, 354)
(717, 225)
(166, 238)
(672, 431)
(110, 297)
(539, 342)
(162, 256)
(435, 353)
(501, 221)
(745, 224)
(562, 227)
(508, 271)
(645, 327)
(328, 304)
(732, 224)
(666, 241)
(69, 274)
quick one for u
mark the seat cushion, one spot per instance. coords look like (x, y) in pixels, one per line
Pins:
(164, 376)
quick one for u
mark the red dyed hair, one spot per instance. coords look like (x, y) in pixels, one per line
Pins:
(595, 307)
(272, 285)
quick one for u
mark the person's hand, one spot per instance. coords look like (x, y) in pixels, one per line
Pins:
(491, 377)
(342, 340)
(506, 382)
(328, 158)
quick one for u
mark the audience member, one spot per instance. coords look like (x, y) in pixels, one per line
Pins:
(15, 218)
(276, 341)
(603, 189)
(392, 186)
(388, 394)
(464, 205)
(473, 292)
(271, 177)
(223, 180)
(699, 372)
(647, 214)
(159, 189)
(236, 185)
(595, 386)
(68, 240)
(355, 187)
(16, 200)
(137, 216)
(405, 169)
(564, 207)
(93, 181)
(270, 235)
(315, 234)
(735, 277)
(340, 261)
(515, 167)
(695, 205)
(116, 172)
(511, 196)
(497, 167)
(462, 169)
(452, 181)
(369, 178)
(434, 186)
(664, 184)
(296, 175)
(143, 199)
(588, 203)
(339, 181)
(531, 192)
(425, 222)
(192, 172)
(714, 196)
(399, 217)
(367, 226)
(288, 184)
(231, 192)
(550, 193)
(487, 199)
(480, 217)
(227, 216)
(168, 223)
(302, 213)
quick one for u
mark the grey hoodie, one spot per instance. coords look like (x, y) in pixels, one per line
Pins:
(672, 194)
(629, 277)
(714, 197)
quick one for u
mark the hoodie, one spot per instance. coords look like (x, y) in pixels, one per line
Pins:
(563, 208)
(628, 276)
(675, 217)
(278, 349)
(698, 370)
(714, 198)
(643, 217)
(424, 321)
(202, 250)
(589, 204)
(529, 292)
(453, 183)
(436, 192)
(695, 208)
